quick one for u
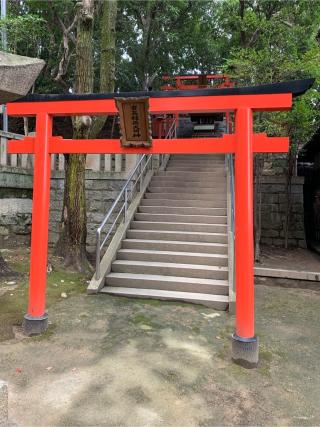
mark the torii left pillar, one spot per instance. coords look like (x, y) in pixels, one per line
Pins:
(36, 320)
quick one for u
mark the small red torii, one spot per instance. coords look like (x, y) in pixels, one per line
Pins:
(243, 143)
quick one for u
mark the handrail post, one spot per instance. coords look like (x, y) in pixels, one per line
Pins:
(230, 220)
(125, 204)
(141, 178)
(98, 254)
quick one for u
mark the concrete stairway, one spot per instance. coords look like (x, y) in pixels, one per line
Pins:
(176, 247)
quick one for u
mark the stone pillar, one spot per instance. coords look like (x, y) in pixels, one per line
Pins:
(131, 161)
(3, 151)
(93, 162)
(3, 404)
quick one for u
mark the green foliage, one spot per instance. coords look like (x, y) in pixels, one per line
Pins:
(24, 32)
(255, 41)
(276, 41)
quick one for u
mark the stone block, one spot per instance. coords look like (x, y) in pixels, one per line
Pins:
(266, 241)
(272, 188)
(57, 184)
(297, 234)
(4, 231)
(302, 244)
(278, 242)
(297, 208)
(293, 243)
(53, 237)
(56, 205)
(269, 232)
(270, 198)
(104, 184)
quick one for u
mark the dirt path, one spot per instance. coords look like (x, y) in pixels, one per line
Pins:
(109, 361)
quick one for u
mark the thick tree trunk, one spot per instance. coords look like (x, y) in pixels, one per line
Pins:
(258, 169)
(72, 242)
(290, 174)
(107, 57)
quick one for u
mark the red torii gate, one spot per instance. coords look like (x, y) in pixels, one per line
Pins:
(243, 143)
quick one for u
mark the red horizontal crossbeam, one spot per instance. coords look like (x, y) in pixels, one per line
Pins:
(227, 144)
(184, 104)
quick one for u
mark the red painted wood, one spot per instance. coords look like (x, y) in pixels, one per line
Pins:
(40, 217)
(244, 225)
(227, 144)
(22, 146)
(193, 104)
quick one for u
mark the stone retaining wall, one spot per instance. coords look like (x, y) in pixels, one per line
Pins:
(273, 212)
(15, 201)
(101, 191)
(103, 187)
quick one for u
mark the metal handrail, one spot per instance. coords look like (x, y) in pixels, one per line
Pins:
(230, 167)
(172, 131)
(135, 177)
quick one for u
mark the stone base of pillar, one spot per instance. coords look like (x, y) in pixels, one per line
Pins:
(245, 351)
(34, 325)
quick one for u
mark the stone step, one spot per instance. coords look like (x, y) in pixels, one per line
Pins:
(175, 246)
(202, 169)
(192, 174)
(164, 201)
(199, 168)
(171, 256)
(196, 166)
(156, 182)
(186, 196)
(191, 189)
(167, 283)
(177, 235)
(178, 226)
(202, 219)
(197, 161)
(218, 302)
(187, 210)
(170, 269)
(202, 157)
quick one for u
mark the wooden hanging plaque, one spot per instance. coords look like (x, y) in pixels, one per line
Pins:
(135, 122)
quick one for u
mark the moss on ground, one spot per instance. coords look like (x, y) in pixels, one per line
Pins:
(13, 303)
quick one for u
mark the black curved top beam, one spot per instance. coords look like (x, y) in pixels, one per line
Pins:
(296, 87)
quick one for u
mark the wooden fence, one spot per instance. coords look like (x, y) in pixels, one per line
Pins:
(96, 162)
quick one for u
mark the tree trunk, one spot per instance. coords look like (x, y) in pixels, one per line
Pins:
(72, 242)
(290, 173)
(258, 169)
(107, 57)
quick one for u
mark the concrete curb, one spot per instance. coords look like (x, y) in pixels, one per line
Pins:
(287, 274)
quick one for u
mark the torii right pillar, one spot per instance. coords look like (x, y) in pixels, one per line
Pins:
(245, 350)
